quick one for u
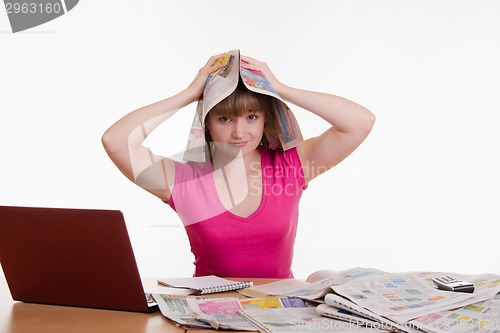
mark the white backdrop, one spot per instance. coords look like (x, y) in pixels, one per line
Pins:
(422, 192)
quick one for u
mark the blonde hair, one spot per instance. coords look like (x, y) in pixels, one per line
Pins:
(241, 102)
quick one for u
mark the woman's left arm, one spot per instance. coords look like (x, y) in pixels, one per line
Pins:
(350, 123)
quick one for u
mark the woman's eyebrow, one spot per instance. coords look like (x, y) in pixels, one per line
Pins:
(255, 111)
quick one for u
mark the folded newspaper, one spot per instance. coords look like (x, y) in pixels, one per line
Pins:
(227, 312)
(221, 84)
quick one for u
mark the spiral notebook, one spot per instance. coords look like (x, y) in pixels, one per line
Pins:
(205, 284)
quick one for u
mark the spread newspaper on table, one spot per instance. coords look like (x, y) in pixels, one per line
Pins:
(361, 299)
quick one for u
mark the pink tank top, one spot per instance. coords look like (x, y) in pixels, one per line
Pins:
(224, 244)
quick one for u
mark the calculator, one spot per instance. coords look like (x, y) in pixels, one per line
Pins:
(451, 284)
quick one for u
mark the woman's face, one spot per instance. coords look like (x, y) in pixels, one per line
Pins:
(233, 135)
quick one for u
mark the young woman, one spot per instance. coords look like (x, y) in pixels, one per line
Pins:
(240, 207)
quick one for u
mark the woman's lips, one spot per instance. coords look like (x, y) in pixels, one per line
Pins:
(239, 143)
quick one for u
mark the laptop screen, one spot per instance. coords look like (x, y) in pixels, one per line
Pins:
(76, 257)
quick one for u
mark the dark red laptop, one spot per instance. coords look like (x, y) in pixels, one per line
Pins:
(75, 257)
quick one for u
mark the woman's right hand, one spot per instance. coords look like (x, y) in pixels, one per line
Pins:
(196, 87)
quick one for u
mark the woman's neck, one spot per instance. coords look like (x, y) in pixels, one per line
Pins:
(239, 183)
(237, 164)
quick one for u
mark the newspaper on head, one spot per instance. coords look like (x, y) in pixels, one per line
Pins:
(219, 85)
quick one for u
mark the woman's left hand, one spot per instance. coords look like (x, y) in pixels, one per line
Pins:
(255, 65)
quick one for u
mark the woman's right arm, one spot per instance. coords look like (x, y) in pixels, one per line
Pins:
(123, 141)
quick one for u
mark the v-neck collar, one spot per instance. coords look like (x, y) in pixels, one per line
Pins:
(263, 198)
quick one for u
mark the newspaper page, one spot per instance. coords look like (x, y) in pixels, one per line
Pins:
(196, 149)
(319, 286)
(218, 86)
(175, 308)
(271, 302)
(225, 312)
(335, 302)
(350, 317)
(299, 320)
(401, 297)
(223, 82)
(220, 313)
(481, 317)
(288, 128)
